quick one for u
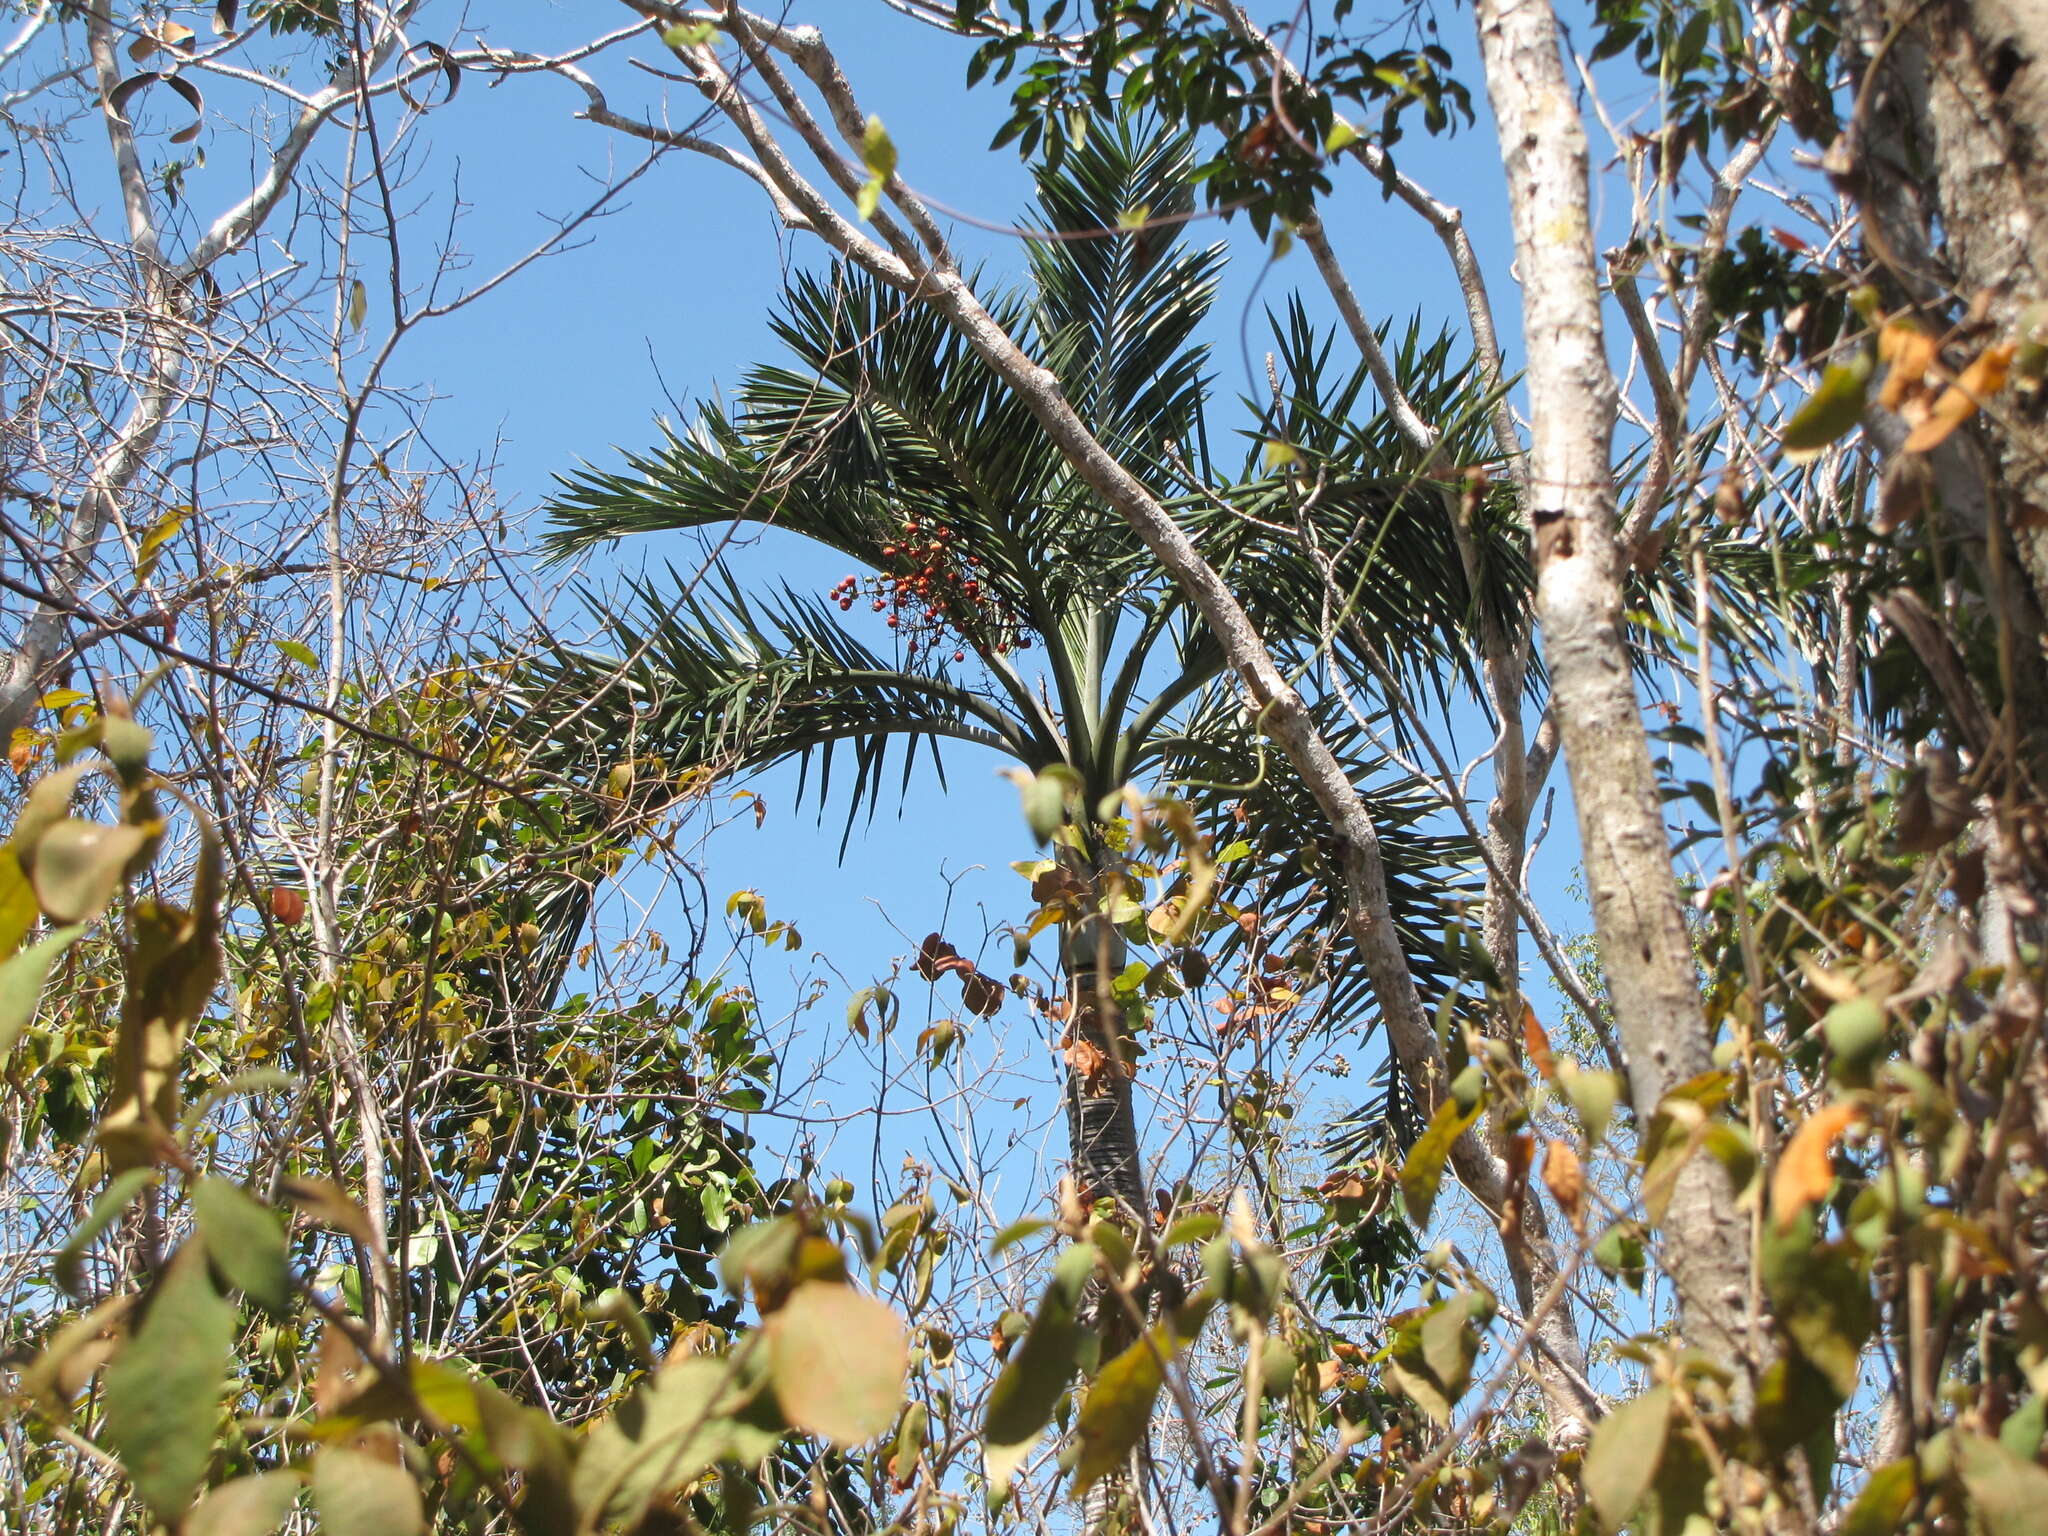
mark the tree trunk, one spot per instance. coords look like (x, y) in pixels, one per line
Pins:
(1644, 946)
(1949, 163)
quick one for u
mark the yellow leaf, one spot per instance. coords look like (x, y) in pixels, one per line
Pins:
(877, 150)
(160, 533)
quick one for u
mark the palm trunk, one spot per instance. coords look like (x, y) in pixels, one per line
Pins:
(1102, 1125)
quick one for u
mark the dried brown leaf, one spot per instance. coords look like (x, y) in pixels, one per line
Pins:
(1565, 1177)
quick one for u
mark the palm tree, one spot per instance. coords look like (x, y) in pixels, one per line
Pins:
(1008, 607)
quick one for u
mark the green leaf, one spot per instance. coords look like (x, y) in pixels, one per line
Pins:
(666, 1434)
(246, 1242)
(838, 1359)
(1037, 1373)
(1118, 1408)
(21, 982)
(1620, 1253)
(1277, 1364)
(884, 1003)
(1622, 1457)
(362, 1495)
(1855, 1032)
(1593, 1096)
(2025, 1427)
(1834, 409)
(299, 651)
(2008, 1491)
(1045, 798)
(163, 1391)
(1450, 1345)
(913, 1434)
(73, 1353)
(1880, 1509)
(112, 1201)
(127, 746)
(78, 866)
(358, 304)
(1017, 1232)
(49, 802)
(877, 150)
(1341, 137)
(248, 1506)
(1820, 1294)
(1432, 1353)
(1197, 1227)
(1424, 1169)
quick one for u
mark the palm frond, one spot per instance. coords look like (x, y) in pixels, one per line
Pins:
(1117, 313)
(888, 417)
(714, 685)
(1220, 764)
(1369, 553)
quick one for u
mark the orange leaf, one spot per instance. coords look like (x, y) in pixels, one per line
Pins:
(1565, 1177)
(1806, 1170)
(1959, 402)
(1910, 351)
(1537, 1043)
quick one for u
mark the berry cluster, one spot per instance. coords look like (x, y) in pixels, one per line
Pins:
(940, 600)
